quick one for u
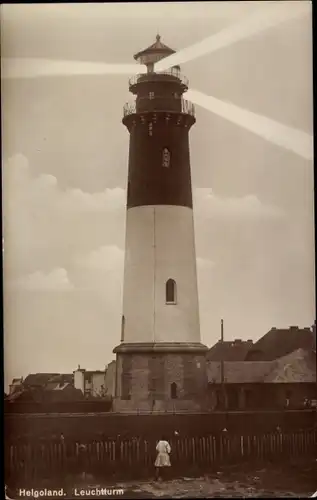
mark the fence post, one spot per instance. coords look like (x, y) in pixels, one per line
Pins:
(242, 446)
(194, 442)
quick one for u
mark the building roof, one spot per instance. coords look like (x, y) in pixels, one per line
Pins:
(298, 366)
(57, 386)
(238, 372)
(94, 372)
(156, 47)
(39, 379)
(280, 342)
(60, 394)
(111, 363)
(229, 350)
(14, 396)
(63, 378)
(89, 372)
(43, 379)
(25, 395)
(17, 380)
(51, 393)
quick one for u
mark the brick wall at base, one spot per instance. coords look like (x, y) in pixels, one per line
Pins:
(148, 378)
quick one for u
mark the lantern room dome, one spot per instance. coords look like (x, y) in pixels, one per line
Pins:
(154, 53)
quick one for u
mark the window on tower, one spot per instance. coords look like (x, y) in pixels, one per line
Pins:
(170, 292)
(151, 95)
(166, 158)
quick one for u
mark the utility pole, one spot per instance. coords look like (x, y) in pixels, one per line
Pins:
(222, 366)
(222, 361)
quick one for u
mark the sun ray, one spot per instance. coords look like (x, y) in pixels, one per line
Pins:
(251, 25)
(292, 139)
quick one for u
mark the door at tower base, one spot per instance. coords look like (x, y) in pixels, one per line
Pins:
(162, 381)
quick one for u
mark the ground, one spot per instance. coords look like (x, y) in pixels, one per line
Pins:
(271, 482)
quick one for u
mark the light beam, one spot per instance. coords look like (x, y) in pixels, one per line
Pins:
(33, 68)
(289, 138)
(251, 25)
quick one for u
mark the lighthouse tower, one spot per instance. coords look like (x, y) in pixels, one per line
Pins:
(160, 362)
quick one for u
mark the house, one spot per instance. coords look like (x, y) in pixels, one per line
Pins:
(90, 383)
(38, 380)
(235, 350)
(61, 392)
(35, 386)
(22, 396)
(110, 379)
(278, 383)
(16, 385)
(58, 388)
(54, 387)
(279, 342)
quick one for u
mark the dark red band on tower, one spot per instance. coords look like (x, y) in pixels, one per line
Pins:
(159, 122)
(159, 163)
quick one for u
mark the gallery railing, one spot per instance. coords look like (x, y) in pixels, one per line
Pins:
(169, 73)
(147, 104)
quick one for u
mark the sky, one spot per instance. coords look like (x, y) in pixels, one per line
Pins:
(65, 159)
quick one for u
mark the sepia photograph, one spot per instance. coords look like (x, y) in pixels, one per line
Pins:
(158, 249)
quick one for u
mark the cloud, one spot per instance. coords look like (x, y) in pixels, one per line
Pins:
(46, 226)
(249, 207)
(204, 264)
(106, 258)
(101, 272)
(44, 190)
(56, 280)
(116, 12)
(78, 200)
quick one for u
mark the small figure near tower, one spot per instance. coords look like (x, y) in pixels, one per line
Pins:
(160, 357)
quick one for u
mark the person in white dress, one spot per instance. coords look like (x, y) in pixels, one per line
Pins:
(163, 449)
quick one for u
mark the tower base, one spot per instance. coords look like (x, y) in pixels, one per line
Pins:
(164, 377)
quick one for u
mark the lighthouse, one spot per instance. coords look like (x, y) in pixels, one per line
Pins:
(161, 362)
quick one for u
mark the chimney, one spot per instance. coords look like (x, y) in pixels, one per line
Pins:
(237, 341)
(221, 337)
(250, 341)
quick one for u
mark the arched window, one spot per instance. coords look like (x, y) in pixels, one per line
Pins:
(170, 292)
(166, 158)
(173, 391)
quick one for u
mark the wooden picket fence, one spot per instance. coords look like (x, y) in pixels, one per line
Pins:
(39, 460)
